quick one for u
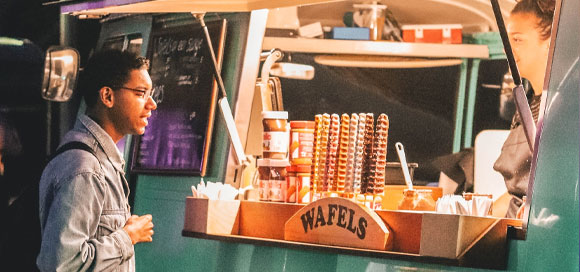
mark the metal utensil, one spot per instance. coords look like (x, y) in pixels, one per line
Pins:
(403, 159)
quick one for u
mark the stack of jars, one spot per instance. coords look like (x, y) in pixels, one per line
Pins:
(300, 156)
(272, 185)
(284, 170)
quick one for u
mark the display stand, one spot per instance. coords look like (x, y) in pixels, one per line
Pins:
(419, 236)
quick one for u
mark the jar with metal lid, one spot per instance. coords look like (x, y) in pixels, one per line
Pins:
(275, 137)
(277, 184)
(263, 179)
(301, 142)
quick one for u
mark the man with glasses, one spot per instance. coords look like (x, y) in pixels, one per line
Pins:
(84, 211)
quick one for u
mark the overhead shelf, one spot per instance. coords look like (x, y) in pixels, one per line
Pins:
(103, 7)
(329, 46)
(367, 61)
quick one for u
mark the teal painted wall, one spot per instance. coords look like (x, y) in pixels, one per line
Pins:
(164, 196)
(552, 240)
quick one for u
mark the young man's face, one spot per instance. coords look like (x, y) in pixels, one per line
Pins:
(132, 108)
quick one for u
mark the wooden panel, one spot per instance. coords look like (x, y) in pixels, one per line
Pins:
(406, 229)
(265, 219)
(448, 235)
(338, 222)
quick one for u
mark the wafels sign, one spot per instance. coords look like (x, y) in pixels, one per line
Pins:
(339, 222)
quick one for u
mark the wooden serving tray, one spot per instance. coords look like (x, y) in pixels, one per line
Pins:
(419, 236)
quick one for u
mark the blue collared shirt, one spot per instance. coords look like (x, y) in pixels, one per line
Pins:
(84, 206)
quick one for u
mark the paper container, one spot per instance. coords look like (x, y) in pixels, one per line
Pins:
(451, 236)
(212, 216)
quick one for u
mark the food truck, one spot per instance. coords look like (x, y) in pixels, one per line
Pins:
(431, 86)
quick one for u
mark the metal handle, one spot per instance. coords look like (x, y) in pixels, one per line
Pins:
(404, 166)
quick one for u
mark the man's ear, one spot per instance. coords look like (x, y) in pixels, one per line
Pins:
(107, 96)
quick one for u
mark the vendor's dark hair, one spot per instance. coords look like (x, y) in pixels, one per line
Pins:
(108, 68)
(542, 9)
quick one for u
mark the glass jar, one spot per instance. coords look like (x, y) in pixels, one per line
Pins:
(278, 184)
(291, 184)
(424, 201)
(408, 201)
(417, 200)
(263, 179)
(301, 142)
(303, 183)
(275, 136)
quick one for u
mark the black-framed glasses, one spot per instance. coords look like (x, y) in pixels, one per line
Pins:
(144, 93)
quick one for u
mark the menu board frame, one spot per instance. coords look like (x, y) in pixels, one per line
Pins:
(157, 156)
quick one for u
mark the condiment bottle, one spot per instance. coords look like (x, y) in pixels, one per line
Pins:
(275, 137)
(301, 142)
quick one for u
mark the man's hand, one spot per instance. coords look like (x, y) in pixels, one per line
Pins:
(139, 228)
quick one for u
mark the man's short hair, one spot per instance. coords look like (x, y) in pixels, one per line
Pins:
(108, 68)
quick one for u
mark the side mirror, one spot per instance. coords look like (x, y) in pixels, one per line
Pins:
(61, 67)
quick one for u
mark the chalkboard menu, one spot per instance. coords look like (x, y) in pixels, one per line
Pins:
(178, 136)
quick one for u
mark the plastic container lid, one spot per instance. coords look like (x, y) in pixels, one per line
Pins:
(274, 115)
(302, 124)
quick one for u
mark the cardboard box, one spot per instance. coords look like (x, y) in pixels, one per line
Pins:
(212, 216)
(450, 33)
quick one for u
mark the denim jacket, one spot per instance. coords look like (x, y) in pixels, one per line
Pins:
(84, 206)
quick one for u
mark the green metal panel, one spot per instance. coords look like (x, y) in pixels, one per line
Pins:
(164, 196)
(470, 108)
(459, 104)
(552, 241)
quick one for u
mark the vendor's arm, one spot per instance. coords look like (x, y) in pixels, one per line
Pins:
(78, 234)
